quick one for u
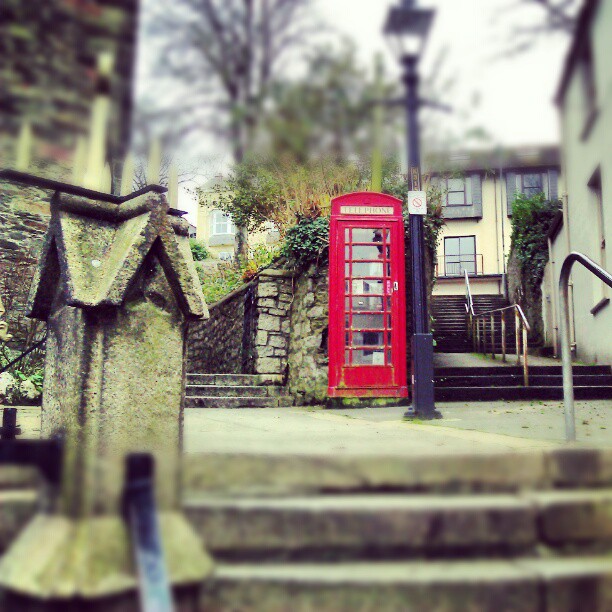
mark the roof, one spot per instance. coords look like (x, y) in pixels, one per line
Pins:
(585, 18)
(537, 156)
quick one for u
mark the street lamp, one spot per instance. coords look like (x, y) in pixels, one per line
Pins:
(407, 28)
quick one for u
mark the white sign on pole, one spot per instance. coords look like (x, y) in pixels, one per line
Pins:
(417, 203)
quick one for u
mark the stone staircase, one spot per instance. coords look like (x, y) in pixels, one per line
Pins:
(524, 532)
(473, 384)
(235, 391)
(528, 532)
(449, 324)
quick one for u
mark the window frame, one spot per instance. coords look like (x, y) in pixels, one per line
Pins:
(220, 219)
(449, 191)
(460, 255)
(522, 176)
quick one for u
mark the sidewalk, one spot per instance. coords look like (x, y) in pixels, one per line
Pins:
(478, 360)
(474, 428)
(479, 427)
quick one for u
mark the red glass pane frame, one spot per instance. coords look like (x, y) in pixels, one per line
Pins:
(346, 377)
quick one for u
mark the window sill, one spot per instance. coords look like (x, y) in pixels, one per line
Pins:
(600, 305)
(589, 124)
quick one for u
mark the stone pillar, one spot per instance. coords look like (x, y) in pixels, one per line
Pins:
(274, 298)
(117, 287)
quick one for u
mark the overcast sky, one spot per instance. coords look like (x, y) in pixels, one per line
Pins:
(515, 94)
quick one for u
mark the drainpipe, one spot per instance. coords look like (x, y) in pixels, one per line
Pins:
(568, 246)
(553, 300)
(496, 228)
(503, 229)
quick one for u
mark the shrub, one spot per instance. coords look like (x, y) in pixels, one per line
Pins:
(198, 250)
(306, 242)
(531, 220)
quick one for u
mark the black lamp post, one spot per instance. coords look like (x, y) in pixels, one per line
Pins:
(407, 28)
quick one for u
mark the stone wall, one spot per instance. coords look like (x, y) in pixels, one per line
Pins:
(307, 378)
(48, 63)
(272, 322)
(216, 345)
(248, 330)
(48, 57)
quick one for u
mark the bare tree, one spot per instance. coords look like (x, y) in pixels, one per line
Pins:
(222, 56)
(557, 17)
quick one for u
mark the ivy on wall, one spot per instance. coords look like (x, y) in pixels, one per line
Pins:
(531, 220)
(307, 241)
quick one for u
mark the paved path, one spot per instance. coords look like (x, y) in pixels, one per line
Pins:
(475, 427)
(477, 360)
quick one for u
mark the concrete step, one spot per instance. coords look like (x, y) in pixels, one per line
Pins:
(483, 394)
(17, 507)
(237, 402)
(256, 475)
(234, 379)
(529, 585)
(386, 526)
(516, 370)
(363, 526)
(234, 391)
(503, 380)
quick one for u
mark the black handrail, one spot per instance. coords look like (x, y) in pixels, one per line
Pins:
(24, 354)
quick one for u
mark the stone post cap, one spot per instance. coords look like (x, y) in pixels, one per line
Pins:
(94, 250)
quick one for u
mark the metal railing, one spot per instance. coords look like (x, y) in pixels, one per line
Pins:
(469, 302)
(457, 265)
(566, 355)
(483, 341)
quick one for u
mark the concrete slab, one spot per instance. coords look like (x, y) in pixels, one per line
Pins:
(371, 431)
(478, 360)
(470, 427)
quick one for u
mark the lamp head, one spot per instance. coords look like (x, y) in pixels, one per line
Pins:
(407, 28)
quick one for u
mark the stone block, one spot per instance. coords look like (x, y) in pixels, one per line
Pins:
(265, 351)
(309, 300)
(267, 289)
(268, 323)
(268, 365)
(316, 312)
(266, 303)
(277, 341)
(261, 339)
(285, 326)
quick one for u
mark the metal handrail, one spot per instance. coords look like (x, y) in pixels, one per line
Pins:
(566, 355)
(469, 302)
(24, 354)
(511, 307)
(521, 325)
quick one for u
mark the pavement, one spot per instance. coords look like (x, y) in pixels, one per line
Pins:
(478, 360)
(474, 427)
(466, 427)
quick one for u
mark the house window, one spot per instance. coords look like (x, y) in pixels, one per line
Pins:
(456, 192)
(459, 255)
(222, 223)
(532, 184)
